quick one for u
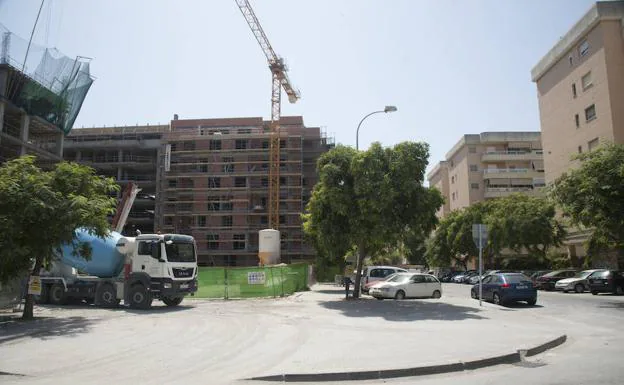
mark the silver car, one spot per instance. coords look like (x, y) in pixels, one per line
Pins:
(407, 285)
(578, 283)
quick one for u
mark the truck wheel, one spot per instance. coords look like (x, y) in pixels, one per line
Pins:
(140, 298)
(106, 296)
(57, 294)
(172, 301)
(45, 295)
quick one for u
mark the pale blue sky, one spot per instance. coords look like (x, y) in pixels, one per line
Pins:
(451, 67)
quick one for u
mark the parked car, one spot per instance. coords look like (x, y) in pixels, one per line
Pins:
(607, 281)
(366, 286)
(547, 281)
(408, 285)
(372, 274)
(459, 278)
(578, 283)
(535, 275)
(475, 278)
(503, 288)
(448, 277)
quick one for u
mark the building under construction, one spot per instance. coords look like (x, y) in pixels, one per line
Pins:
(127, 154)
(41, 93)
(213, 184)
(209, 178)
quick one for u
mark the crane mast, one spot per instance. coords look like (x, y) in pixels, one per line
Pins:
(279, 80)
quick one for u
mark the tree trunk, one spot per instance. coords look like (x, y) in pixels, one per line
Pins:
(30, 300)
(358, 271)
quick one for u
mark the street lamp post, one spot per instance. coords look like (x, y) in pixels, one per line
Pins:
(357, 133)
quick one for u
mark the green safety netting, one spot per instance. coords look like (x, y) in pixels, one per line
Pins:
(45, 83)
(251, 282)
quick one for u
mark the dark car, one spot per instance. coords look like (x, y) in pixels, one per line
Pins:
(535, 275)
(503, 288)
(607, 281)
(547, 281)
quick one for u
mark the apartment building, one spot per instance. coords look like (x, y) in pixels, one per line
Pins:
(580, 84)
(213, 184)
(127, 154)
(489, 165)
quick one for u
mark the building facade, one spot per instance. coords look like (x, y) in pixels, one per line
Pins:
(489, 165)
(580, 84)
(213, 184)
(209, 178)
(126, 154)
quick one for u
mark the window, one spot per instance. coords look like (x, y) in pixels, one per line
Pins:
(145, 248)
(240, 181)
(168, 221)
(583, 48)
(214, 182)
(215, 145)
(474, 186)
(453, 195)
(173, 183)
(244, 130)
(282, 143)
(282, 219)
(201, 221)
(418, 279)
(228, 166)
(590, 113)
(586, 80)
(474, 168)
(265, 182)
(189, 146)
(239, 242)
(174, 146)
(580, 149)
(265, 144)
(577, 121)
(592, 144)
(240, 144)
(282, 180)
(452, 179)
(226, 221)
(213, 241)
(472, 150)
(264, 220)
(574, 90)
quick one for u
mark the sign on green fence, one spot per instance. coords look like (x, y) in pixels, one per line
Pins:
(251, 282)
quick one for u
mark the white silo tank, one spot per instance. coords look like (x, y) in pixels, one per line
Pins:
(269, 246)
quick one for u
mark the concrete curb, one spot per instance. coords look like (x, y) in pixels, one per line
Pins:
(511, 358)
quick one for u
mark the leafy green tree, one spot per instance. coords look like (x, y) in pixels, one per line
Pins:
(370, 199)
(516, 222)
(40, 210)
(592, 196)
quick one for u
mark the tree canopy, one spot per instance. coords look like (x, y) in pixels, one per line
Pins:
(40, 210)
(518, 223)
(370, 199)
(592, 196)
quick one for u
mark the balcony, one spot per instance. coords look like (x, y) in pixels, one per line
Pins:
(497, 192)
(501, 156)
(490, 173)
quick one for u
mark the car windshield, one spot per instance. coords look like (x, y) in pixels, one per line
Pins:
(583, 274)
(180, 252)
(399, 278)
(601, 274)
(553, 274)
(516, 278)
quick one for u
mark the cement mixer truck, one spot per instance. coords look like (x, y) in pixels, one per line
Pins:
(137, 270)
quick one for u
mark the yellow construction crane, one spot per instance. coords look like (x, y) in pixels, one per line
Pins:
(280, 79)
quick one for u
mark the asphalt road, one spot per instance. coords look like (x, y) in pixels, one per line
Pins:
(594, 352)
(214, 342)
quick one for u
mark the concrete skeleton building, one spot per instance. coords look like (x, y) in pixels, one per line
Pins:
(580, 84)
(209, 178)
(489, 165)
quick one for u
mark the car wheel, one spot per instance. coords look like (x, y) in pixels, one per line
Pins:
(172, 301)
(106, 296)
(140, 298)
(565, 291)
(532, 301)
(473, 294)
(619, 290)
(497, 299)
(399, 295)
(379, 298)
(436, 294)
(594, 292)
(579, 288)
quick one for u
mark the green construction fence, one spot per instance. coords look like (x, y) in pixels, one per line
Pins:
(251, 282)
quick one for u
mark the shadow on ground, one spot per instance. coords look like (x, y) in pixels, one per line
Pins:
(410, 310)
(612, 305)
(153, 310)
(43, 328)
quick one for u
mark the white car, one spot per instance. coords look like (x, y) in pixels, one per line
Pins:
(578, 283)
(407, 285)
